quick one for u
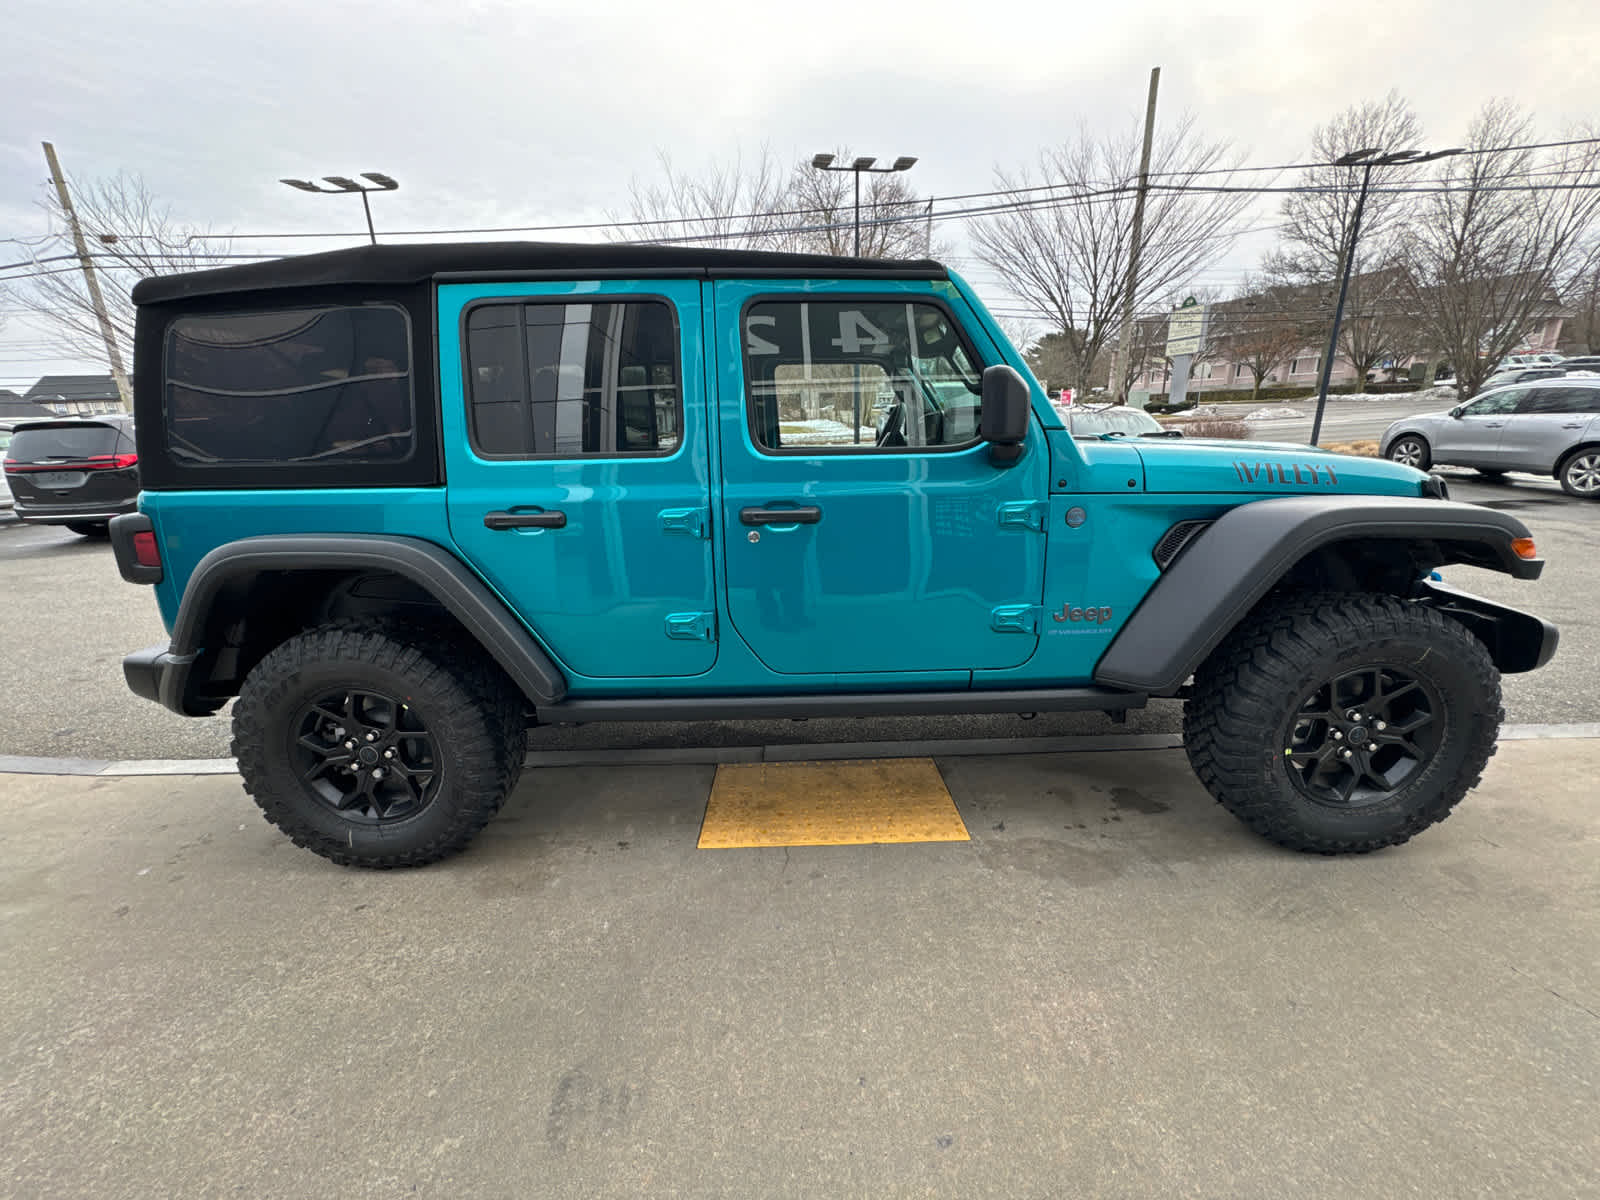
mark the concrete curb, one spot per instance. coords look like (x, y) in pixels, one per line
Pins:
(14, 764)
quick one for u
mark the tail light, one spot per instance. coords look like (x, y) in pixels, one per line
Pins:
(95, 462)
(145, 551)
(110, 462)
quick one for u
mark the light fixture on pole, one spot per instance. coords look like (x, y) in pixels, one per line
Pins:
(378, 182)
(1366, 159)
(858, 167)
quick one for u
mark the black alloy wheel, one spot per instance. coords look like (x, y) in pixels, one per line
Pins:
(367, 755)
(1363, 735)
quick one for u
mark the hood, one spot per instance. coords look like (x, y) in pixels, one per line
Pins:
(1269, 468)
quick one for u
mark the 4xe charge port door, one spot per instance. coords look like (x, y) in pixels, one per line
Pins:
(576, 460)
(865, 524)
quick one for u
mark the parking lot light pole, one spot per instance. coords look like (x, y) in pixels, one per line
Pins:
(379, 182)
(862, 166)
(1366, 159)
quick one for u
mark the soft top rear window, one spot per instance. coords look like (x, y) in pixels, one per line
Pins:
(66, 442)
(290, 386)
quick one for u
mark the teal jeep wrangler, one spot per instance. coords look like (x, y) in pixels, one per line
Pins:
(402, 502)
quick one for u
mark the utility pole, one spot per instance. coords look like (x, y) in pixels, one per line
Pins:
(1124, 355)
(124, 393)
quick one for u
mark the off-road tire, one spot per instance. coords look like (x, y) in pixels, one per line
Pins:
(1422, 459)
(464, 701)
(93, 529)
(1245, 708)
(1577, 473)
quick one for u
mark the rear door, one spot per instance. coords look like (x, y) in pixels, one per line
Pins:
(1473, 438)
(864, 525)
(1548, 422)
(577, 464)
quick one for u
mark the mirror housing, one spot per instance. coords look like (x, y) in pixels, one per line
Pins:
(1006, 408)
(1456, 411)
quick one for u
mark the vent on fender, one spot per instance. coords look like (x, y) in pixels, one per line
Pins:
(1174, 540)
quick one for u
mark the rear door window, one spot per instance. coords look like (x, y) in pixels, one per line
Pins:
(291, 386)
(1561, 401)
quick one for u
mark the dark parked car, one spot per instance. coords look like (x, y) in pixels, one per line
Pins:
(74, 472)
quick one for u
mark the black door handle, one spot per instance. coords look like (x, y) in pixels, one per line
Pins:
(808, 515)
(525, 520)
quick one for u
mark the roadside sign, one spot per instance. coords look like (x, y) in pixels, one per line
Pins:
(1186, 328)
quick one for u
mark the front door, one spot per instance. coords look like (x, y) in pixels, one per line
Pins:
(577, 465)
(1473, 438)
(865, 527)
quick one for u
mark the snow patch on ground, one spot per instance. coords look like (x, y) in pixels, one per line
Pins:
(1277, 412)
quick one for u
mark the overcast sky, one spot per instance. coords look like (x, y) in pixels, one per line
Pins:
(531, 113)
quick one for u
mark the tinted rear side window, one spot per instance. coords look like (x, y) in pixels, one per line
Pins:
(1562, 400)
(65, 442)
(325, 385)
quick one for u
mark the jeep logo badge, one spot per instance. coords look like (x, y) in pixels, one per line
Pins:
(1096, 616)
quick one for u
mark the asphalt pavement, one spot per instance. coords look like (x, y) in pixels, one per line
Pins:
(71, 618)
(1112, 989)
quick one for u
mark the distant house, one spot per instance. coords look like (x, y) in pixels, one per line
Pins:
(76, 395)
(14, 408)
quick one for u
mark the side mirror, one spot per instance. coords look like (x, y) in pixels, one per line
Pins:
(1456, 411)
(1006, 407)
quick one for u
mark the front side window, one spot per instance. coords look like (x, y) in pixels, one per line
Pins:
(310, 385)
(859, 375)
(1496, 404)
(555, 380)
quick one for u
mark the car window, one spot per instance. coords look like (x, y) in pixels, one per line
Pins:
(63, 442)
(1500, 402)
(1561, 400)
(853, 375)
(560, 380)
(290, 386)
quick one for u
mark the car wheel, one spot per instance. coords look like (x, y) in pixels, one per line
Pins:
(1580, 474)
(95, 529)
(376, 747)
(1411, 450)
(1338, 723)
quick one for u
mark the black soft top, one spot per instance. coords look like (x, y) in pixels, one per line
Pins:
(411, 264)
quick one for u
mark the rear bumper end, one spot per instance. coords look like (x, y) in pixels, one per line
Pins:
(157, 674)
(61, 514)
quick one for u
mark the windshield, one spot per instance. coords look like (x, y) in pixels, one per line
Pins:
(62, 442)
(1130, 422)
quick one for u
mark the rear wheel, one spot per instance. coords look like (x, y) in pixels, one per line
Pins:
(90, 528)
(1580, 474)
(1412, 450)
(377, 748)
(1343, 723)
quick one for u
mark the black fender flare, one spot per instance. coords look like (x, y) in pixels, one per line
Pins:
(434, 569)
(1223, 572)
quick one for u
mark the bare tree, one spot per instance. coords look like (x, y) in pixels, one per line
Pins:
(1065, 250)
(1316, 226)
(733, 205)
(131, 236)
(1487, 250)
(759, 206)
(1261, 328)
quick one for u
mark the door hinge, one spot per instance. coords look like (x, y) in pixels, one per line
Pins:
(1016, 618)
(1024, 514)
(692, 626)
(692, 521)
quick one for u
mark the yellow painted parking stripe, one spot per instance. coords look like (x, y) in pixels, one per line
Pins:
(845, 803)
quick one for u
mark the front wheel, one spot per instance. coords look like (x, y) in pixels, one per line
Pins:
(1338, 723)
(1411, 450)
(1580, 474)
(376, 748)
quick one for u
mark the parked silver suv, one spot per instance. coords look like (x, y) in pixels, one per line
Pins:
(1549, 427)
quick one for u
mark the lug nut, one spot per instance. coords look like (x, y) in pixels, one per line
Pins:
(350, 745)
(1337, 736)
(1380, 726)
(371, 737)
(377, 772)
(1349, 753)
(389, 753)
